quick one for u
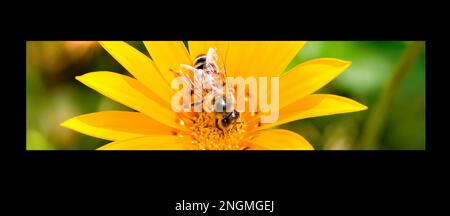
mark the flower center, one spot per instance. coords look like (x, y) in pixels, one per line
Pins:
(207, 136)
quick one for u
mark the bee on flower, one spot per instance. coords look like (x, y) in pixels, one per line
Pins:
(217, 111)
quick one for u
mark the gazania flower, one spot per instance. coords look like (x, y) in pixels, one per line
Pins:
(154, 126)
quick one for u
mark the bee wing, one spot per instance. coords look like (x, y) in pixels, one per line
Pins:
(194, 77)
(215, 64)
(185, 72)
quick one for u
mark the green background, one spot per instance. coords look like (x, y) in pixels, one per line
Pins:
(53, 94)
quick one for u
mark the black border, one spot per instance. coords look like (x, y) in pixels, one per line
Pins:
(151, 181)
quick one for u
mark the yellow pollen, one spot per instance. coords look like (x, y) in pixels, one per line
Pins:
(207, 136)
(181, 122)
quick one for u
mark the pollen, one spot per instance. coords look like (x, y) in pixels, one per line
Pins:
(207, 136)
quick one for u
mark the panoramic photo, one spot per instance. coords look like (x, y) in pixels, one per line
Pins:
(225, 95)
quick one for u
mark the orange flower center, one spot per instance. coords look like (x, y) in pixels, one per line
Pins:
(207, 136)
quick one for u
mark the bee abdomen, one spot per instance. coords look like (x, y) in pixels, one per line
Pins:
(199, 62)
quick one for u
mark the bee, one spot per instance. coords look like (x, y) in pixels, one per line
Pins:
(206, 80)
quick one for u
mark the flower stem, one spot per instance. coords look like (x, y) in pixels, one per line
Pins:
(371, 132)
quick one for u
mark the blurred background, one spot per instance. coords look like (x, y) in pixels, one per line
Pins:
(387, 76)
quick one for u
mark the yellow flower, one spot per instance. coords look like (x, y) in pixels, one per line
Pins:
(156, 127)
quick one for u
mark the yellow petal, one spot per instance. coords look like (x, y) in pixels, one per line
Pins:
(140, 66)
(131, 93)
(168, 55)
(154, 142)
(116, 125)
(260, 58)
(315, 105)
(197, 48)
(308, 77)
(278, 140)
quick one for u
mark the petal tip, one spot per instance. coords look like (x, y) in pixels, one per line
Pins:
(80, 78)
(345, 64)
(66, 123)
(340, 62)
(364, 107)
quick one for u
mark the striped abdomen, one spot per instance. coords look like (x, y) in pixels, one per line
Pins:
(200, 61)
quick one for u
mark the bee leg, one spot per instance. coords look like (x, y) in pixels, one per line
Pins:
(195, 104)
